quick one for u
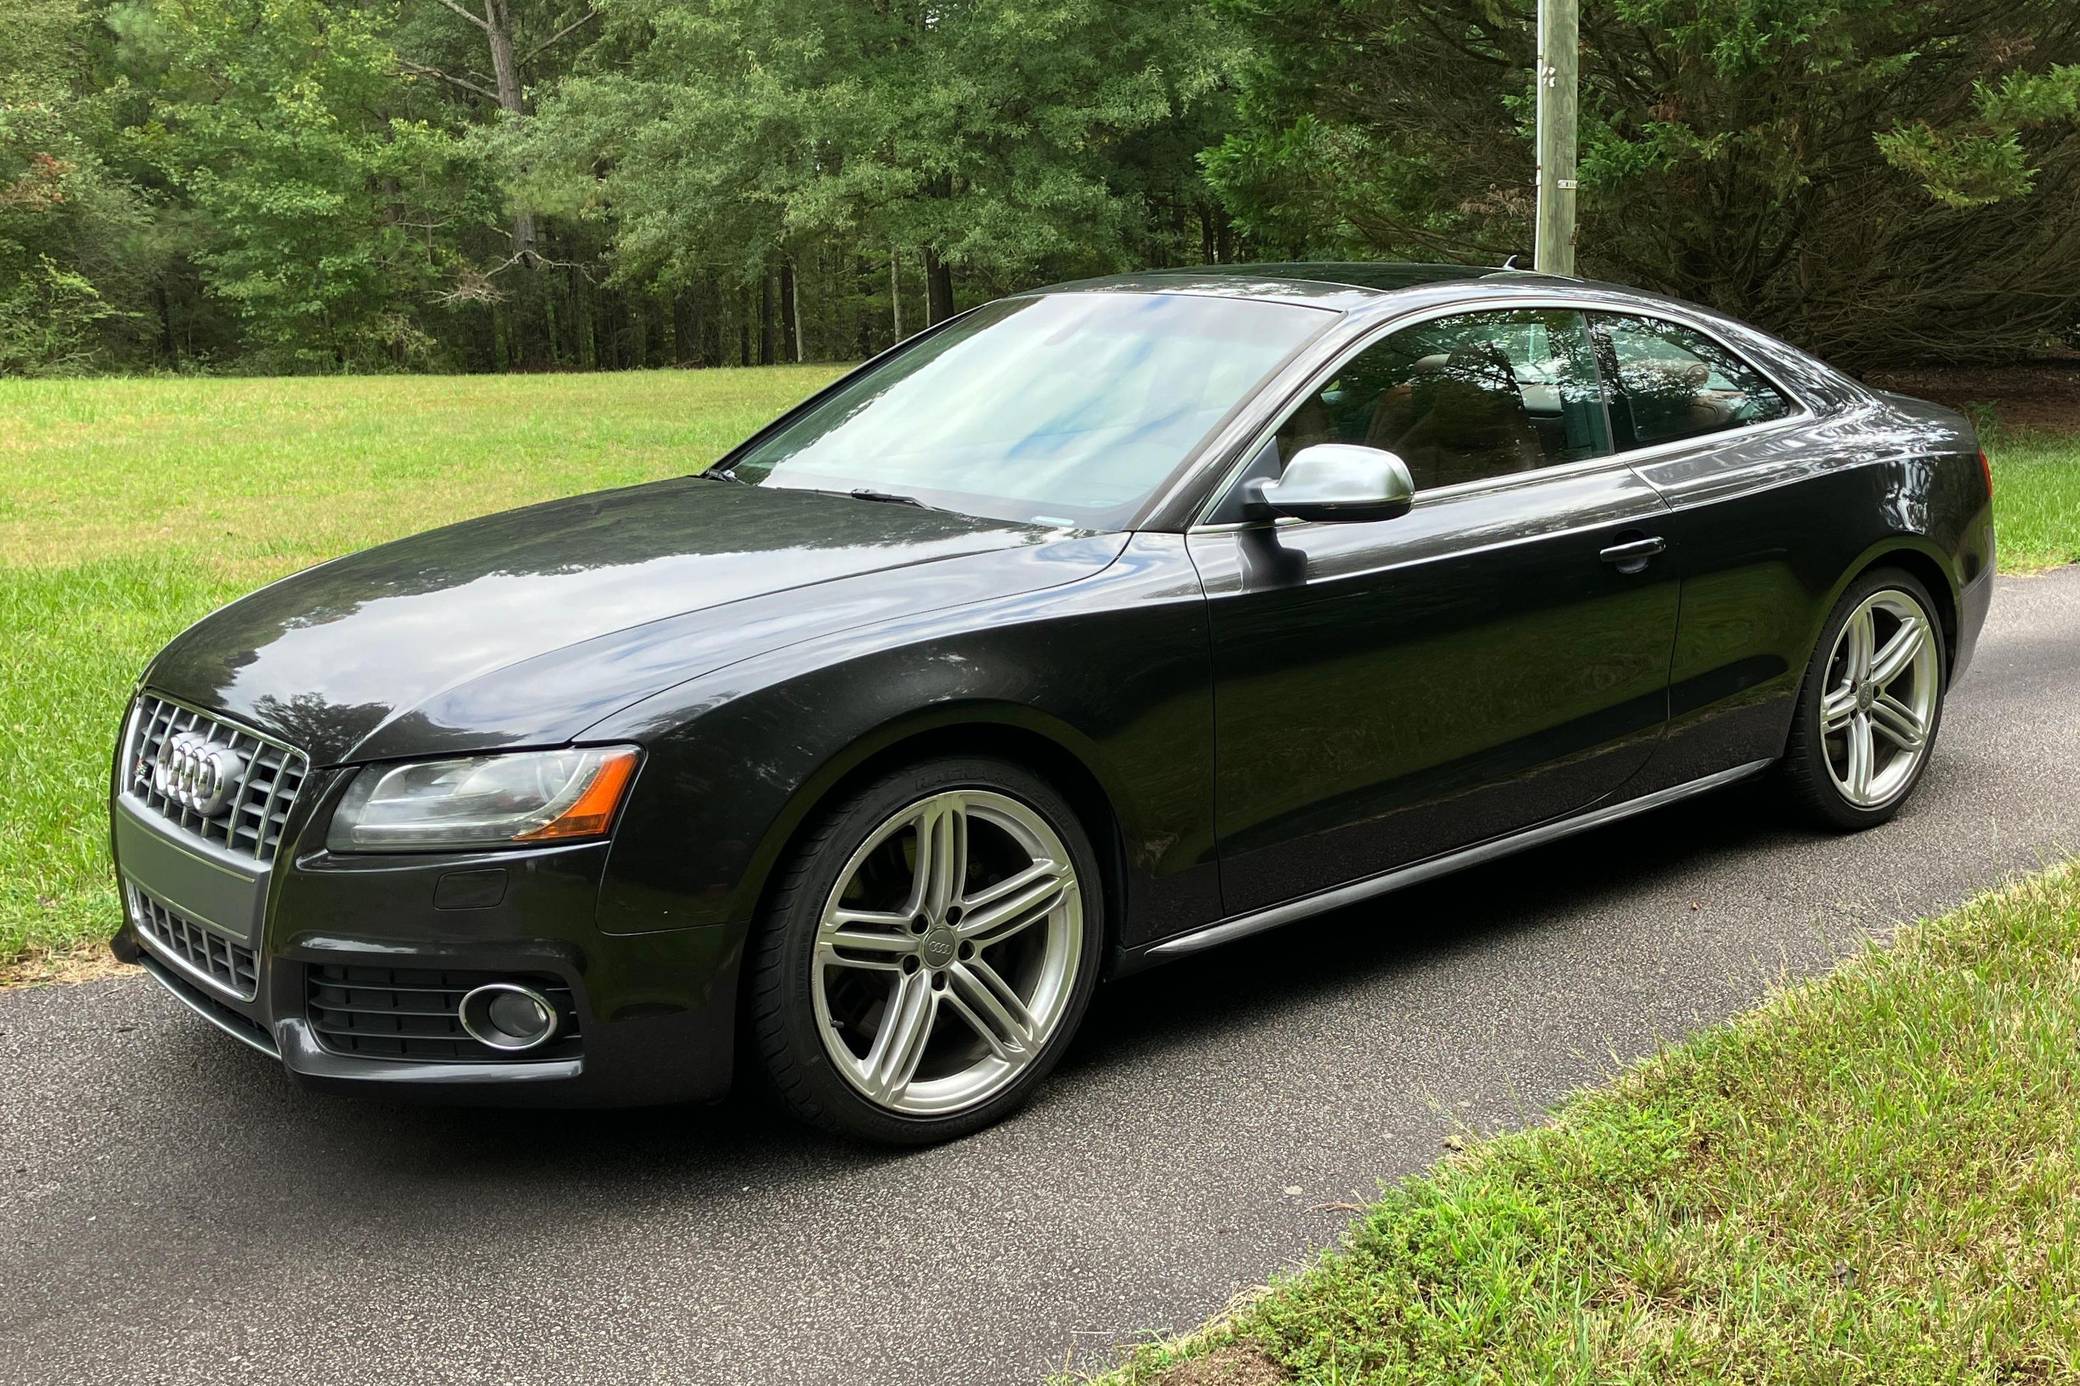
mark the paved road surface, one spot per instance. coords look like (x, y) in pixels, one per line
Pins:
(171, 1209)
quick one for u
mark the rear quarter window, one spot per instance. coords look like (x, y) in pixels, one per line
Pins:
(1667, 382)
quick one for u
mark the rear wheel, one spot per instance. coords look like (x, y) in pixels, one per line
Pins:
(929, 952)
(1870, 704)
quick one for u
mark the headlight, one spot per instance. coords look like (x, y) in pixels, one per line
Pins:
(483, 801)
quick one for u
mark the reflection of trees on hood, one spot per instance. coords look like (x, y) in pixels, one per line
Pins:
(481, 578)
(625, 528)
(307, 719)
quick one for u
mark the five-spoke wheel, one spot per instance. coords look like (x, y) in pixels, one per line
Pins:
(935, 943)
(1873, 696)
(1880, 697)
(947, 950)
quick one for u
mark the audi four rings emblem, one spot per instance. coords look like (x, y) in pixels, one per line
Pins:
(195, 774)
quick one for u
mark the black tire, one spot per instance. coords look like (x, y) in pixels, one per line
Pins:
(1805, 771)
(780, 1005)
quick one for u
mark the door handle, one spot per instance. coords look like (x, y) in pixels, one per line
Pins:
(1632, 556)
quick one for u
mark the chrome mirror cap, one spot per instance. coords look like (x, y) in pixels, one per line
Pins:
(1337, 481)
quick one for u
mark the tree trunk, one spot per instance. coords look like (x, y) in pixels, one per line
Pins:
(895, 290)
(525, 327)
(938, 288)
(166, 339)
(863, 272)
(512, 98)
(580, 305)
(765, 318)
(795, 298)
(790, 309)
(686, 330)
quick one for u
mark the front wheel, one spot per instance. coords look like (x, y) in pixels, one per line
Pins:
(1870, 704)
(932, 947)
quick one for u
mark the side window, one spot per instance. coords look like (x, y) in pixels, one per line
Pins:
(1465, 397)
(1670, 383)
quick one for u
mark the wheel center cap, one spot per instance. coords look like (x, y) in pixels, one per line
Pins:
(1865, 695)
(938, 946)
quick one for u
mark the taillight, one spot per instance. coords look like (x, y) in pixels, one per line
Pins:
(1986, 470)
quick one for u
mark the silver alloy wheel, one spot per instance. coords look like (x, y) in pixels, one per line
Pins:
(947, 953)
(1879, 703)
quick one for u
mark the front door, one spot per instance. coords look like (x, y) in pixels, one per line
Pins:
(1387, 691)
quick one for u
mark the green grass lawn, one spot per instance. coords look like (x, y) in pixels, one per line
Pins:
(2036, 499)
(132, 507)
(1873, 1178)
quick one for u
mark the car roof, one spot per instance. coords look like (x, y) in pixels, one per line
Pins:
(1329, 284)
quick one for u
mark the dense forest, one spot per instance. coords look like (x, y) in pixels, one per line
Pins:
(487, 185)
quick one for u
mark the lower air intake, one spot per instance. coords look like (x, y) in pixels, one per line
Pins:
(413, 1014)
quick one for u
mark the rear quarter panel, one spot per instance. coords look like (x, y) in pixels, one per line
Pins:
(1766, 533)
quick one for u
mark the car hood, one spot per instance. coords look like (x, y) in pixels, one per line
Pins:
(525, 627)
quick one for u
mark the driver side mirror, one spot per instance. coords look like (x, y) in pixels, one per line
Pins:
(1337, 481)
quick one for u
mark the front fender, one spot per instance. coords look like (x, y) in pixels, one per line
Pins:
(1112, 670)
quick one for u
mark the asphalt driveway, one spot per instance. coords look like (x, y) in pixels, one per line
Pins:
(172, 1209)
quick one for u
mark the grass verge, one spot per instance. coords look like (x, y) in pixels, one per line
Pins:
(2036, 498)
(1875, 1177)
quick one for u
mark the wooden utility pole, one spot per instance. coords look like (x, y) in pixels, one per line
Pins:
(1559, 49)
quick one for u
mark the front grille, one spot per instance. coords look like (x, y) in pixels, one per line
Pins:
(410, 1013)
(250, 825)
(229, 964)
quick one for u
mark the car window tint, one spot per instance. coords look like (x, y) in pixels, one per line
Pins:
(1465, 397)
(1671, 382)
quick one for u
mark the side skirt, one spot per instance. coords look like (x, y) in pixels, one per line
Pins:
(1242, 926)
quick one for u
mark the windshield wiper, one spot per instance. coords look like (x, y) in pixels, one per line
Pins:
(887, 498)
(721, 474)
(863, 493)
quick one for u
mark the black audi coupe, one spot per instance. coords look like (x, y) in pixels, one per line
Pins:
(1090, 628)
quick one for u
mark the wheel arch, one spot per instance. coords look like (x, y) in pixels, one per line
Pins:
(1924, 561)
(1004, 731)
(1921, 559)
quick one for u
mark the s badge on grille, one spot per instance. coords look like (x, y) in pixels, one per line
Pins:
(197, 775)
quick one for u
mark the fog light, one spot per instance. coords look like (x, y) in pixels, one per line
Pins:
(508, 1016)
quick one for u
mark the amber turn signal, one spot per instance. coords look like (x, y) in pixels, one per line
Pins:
(591, 813)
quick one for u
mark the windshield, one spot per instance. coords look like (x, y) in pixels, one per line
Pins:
(1066, 409)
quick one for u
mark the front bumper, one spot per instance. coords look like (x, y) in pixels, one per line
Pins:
(653, 1012)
